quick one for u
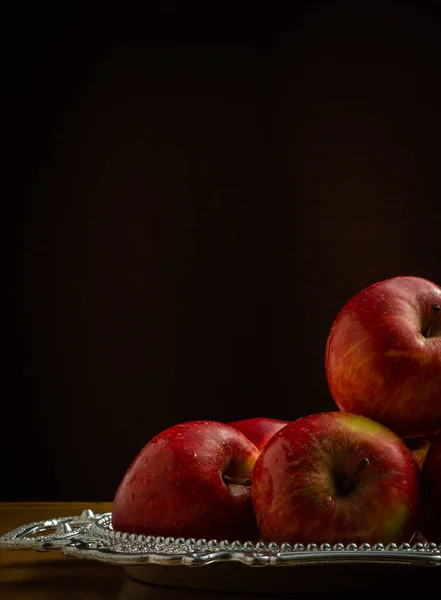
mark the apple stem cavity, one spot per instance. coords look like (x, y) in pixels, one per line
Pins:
(232, 481)
(435, 310)
(349, 483)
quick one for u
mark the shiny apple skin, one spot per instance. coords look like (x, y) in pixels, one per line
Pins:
(431, 487)
(380, 365)
(259, 430)
(175, 485)
(296, 482)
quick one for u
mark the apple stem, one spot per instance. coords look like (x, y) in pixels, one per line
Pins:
(349, 482)
(230, 480)
(435, 310)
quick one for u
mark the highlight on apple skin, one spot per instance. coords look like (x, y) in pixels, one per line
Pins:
(192, 480)
(383, 355)
(259, 430)
(336, 477)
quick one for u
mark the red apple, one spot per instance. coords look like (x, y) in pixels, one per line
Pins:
(419, 447)
(193, 480)
(431, 487)
(259, 430)
(383, 355)
(336, 477)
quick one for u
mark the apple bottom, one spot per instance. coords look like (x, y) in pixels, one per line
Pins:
(207, 516)
(334, 522)
(417, 418)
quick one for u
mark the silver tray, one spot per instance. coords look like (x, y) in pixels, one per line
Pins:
(232, 565)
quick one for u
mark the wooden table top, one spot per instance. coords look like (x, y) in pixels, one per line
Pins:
(30, 575)
(26, 574)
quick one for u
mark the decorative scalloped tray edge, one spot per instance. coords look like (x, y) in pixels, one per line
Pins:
(92, 536)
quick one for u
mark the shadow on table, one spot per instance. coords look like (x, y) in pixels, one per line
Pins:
(233, 580)
(133, 590)
(63, 580)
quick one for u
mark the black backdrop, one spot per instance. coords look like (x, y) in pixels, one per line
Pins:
(194, 195)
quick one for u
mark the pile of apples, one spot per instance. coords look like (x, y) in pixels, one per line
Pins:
(368, 472)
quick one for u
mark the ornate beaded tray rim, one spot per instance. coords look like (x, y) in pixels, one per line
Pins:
(91, 536)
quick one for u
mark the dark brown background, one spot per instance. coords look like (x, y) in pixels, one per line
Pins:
(192, 203)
